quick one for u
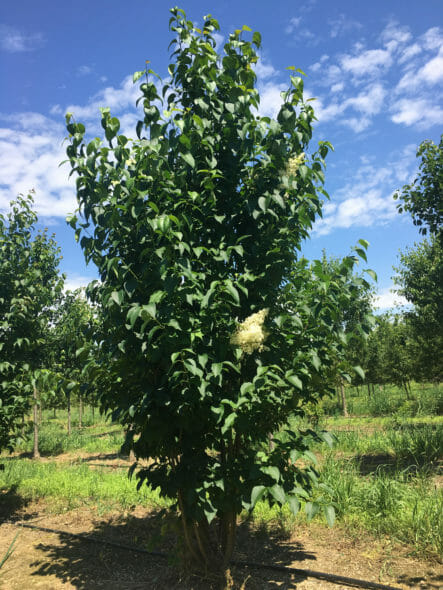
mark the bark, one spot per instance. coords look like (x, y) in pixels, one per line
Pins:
(206, 551)
(69, 413)
(343, 400)
(271, 442)
(80, 411)
(35, 451)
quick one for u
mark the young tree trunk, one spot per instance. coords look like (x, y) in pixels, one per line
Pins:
(92, 411)
(80, 411)
(369, 390)
(55, 412)
(69, 412)
(35, 451)
(344, 404)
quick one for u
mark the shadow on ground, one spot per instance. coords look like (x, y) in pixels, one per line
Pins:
(432, 581)
(88, 564)
(11, 505)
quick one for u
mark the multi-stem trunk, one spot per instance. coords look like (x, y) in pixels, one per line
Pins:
(209, 548)
(35, 452)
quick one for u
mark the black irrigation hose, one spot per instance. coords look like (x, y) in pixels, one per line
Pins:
(333, 578)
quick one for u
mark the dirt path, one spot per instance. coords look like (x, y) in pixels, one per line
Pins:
(54, 561)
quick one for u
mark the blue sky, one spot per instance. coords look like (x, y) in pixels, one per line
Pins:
(375, 69)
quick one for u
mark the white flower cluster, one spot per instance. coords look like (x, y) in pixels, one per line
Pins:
(251, 334)
(294, 164)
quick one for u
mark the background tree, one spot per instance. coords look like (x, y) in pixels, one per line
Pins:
(420, 280)
(423, 198)
(73, 331)
(29, 287)
(420, 274)
(194, 229)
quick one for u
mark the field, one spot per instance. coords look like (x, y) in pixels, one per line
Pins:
(383, 475)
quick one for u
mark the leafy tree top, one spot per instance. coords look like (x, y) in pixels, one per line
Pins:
(423, 198)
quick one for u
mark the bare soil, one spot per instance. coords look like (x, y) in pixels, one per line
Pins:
(59, 561)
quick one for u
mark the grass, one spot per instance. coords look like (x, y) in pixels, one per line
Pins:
(381, 473)
(74, 485)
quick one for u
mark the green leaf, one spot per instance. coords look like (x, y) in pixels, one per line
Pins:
(233, 291)
(229, 421)
(311, 509)
(294, 504)
(150, 309)
(256, 39)
(272, 471)
(189, 159)
(278, 493)
(257, 494)
(359, 371)
(294, 380)
(118, 297)
(137, 75)
(329, 513)
(372, 274)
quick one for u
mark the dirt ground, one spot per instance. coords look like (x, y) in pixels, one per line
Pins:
(54, 561)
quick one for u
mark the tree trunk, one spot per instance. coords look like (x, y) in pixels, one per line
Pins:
(55, 412)
(69, 413)
(35, 451)
(209, 551)
(271, 442)
(80, 411)
(92, 411)
(369, 390)
(343, 400)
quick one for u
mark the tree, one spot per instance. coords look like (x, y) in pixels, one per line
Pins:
(420, 280)
(420, 274)
(423, 198)
(210, 343)
(29, 286)
(73, 331)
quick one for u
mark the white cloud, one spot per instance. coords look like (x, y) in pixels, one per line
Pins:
(394, 36)
(421, 112)
(433, 38)
(84, 70)
(387, 299)
(433, 70)
(264, 69)
(270, 98)
(338, 87)
(366, 199)
(368, 102)
(31, 150)
(369, 62)
(13, 40)
(409, 53)
(342, 25)
(75, 281)
(117, 99)
(293, 24)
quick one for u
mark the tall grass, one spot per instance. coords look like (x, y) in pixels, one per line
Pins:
(71, 486)
(408, 508)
